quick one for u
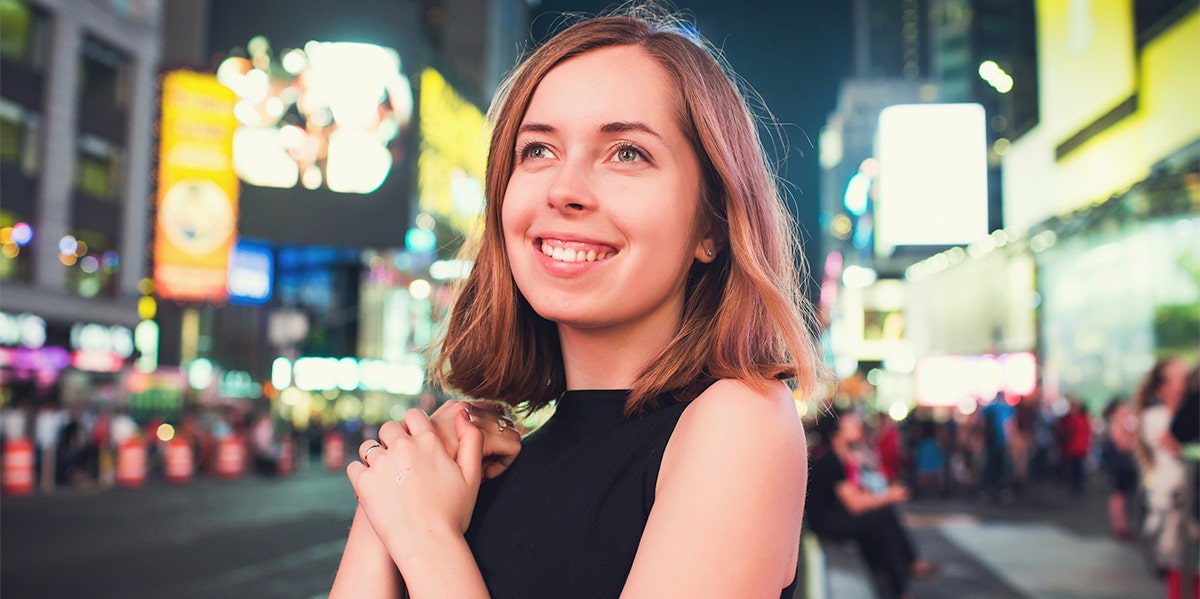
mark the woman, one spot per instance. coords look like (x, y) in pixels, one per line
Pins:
(1158, 457)
(637, 270)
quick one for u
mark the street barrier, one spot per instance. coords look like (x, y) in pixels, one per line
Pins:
(18, 476)
(287, 457)
(179, 466)
(131, 463)
(231, 457)
(335, 452)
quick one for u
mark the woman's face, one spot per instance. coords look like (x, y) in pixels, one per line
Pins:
(1173, 382)
(600, 214)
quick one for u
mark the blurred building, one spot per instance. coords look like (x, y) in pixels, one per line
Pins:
(1094, 271)
(77, 95)
(920, 56)
(357, 151)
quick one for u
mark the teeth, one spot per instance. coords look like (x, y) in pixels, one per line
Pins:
(566, 254)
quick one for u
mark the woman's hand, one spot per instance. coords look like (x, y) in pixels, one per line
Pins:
(501, 439)
(412, 490)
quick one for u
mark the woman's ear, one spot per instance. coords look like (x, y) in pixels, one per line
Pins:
(706, 250)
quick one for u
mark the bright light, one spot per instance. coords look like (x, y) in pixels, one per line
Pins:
(200, 374)
(357, 162)
(858, 277)
(446, 270)
(995, 76)
(898, 411)
(281, 373)
(165, 432)
(855, 197)
(22, 234)
(67, 246)
(420, 289)
(932, 186)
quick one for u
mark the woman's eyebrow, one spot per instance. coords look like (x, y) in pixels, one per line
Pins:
(624, 126)
(535, 128)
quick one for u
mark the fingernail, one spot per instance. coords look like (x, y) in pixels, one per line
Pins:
(467, 411)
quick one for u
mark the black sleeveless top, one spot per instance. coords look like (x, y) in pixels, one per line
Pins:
(566, 518)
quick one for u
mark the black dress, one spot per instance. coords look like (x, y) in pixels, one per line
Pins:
(566, 518)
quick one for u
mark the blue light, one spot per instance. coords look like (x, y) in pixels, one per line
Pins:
(856, 194)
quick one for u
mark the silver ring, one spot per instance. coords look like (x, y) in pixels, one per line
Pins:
(368, 452)
(503, 424)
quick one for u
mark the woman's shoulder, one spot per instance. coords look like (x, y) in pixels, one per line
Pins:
(733, 414)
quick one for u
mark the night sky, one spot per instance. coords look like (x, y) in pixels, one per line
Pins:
(793, 53)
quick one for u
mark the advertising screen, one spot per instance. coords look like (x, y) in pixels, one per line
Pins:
(932, 187)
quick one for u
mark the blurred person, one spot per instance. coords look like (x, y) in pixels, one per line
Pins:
(840, 508)
(636, 269)
(1158, 455)
(47, 426)
(1022, 442)
(1075, 434)
(264, 449)
(930, 461)
(997, 420)
(889, 447)
(1118, 462)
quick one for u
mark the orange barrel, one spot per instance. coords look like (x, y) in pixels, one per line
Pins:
(131, 463)
(18, 467)
(335, 452)
(179, 465)
(231, 457)
(287, 456)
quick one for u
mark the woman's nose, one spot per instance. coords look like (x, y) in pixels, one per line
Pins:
(572, 189)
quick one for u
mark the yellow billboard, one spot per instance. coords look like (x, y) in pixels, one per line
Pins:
(453, 148)
(196, 220)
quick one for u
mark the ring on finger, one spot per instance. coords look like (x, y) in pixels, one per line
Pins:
(367, 452)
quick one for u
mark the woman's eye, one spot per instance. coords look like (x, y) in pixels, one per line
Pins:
(627, 154)
(534, 150)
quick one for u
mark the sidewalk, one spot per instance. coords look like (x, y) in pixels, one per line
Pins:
(1046, 544)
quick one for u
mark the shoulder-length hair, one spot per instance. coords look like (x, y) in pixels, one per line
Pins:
(744, 316)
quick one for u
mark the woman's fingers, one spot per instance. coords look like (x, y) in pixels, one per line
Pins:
(470, 448)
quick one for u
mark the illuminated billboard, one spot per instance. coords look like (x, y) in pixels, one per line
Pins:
(932, 187)
(454, 144)
(325, 115)
(196, 222)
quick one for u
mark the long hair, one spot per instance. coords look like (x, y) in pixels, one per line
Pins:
(743, 315)
(1145, 396)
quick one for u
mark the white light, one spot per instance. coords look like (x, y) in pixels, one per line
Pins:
(356, 163)
(347, 374)
(898, 411)
(67, 245)
(281, 373)
(200, 374)
(858, 277)
(294, 61)
(420, 289)
(446, 270)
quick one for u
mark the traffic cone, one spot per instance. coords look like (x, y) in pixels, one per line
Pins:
(335, 452)
(131, 463)
(179, 465)
(287, 456)
(231, 457)
(18, 467)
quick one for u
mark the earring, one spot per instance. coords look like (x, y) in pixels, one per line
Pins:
(708, 252)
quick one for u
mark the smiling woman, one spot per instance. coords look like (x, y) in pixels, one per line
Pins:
(636, 270)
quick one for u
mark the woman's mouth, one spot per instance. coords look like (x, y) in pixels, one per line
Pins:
(574, 251)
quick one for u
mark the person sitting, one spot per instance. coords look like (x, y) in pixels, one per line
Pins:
(838, 507)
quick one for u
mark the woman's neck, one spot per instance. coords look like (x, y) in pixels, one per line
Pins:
(609, 358)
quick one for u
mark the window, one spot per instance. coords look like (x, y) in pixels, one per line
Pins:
(22, 33)
(99, 168)
(103, 74)
(20, 137)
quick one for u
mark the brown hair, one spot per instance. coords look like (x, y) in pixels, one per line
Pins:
(743, 314)
(1145, 396)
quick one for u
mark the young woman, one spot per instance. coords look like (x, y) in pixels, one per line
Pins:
(637, 270)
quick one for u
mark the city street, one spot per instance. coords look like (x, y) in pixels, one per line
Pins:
(254, 537)
(259, 537)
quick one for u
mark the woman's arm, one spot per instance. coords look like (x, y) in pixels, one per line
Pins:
(729, 499)
(418, 500)
(366, 569)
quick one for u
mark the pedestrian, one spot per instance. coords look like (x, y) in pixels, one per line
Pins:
(1155, 402)
(998, 428)
(1075, 431)
(636, 270)
(1117, 459)
(839, 507)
